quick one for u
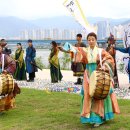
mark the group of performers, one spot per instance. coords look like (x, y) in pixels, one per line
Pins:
(14, 68)
(27, 65)
(22, 66)
(78, 68)
(86, 61)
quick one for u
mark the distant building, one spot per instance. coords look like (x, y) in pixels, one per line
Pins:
(39, 34)
(24, 34)
(47, 34)
(103, 29)
(66, 35)
(118, 31)
(56, 35)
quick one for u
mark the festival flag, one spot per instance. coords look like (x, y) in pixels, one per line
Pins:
(75, 9)
(126, 39)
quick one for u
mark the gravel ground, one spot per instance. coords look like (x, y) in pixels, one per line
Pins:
(66, 86)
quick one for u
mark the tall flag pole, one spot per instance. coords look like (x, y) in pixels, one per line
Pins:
(76, 11)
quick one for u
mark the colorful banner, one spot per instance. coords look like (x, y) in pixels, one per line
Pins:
(126, 39)
(75, 9)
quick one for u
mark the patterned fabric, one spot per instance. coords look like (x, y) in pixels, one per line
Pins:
(6, 84)
(111, 50)
(20, 73)
(10, 65)
(53, 58)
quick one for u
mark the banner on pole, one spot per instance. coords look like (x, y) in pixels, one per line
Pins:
(75, 9)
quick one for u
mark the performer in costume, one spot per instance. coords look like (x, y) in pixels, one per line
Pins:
(94, 111)
(20, 73)
(79, 67)
(30, 60)
(110, 49)
(54, 64)
(7, 68)
(6, 50)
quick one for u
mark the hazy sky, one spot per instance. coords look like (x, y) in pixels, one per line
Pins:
(32, 9)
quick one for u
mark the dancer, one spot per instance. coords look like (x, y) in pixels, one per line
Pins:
(54, 64)
(20, 73)
(95, 111)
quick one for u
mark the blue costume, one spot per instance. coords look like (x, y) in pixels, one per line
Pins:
(29, 59)
(125, 50)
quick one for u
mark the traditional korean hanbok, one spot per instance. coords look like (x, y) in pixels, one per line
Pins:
(55, 66)
(95, 111)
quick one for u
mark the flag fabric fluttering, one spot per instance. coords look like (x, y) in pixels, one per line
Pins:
(126, 39)
(75, 9)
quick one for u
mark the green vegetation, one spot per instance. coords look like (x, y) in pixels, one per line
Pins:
(39, 110)
(65, 60)
(40, 63)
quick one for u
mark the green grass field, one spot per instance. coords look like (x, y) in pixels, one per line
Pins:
(38, 110)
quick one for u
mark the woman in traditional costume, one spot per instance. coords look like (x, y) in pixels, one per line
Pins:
(95, 111)
(20, 73)
(54, 63)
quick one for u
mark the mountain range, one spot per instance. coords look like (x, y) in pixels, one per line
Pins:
(12, 26)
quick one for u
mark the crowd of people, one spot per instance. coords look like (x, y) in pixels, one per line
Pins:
(23, 66)
(85, 61)
(28, 65)
(79, 68)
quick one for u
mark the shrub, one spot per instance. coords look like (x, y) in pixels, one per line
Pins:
(40, 63)
(65, 60)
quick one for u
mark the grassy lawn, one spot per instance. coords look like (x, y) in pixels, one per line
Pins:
(38, 110)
